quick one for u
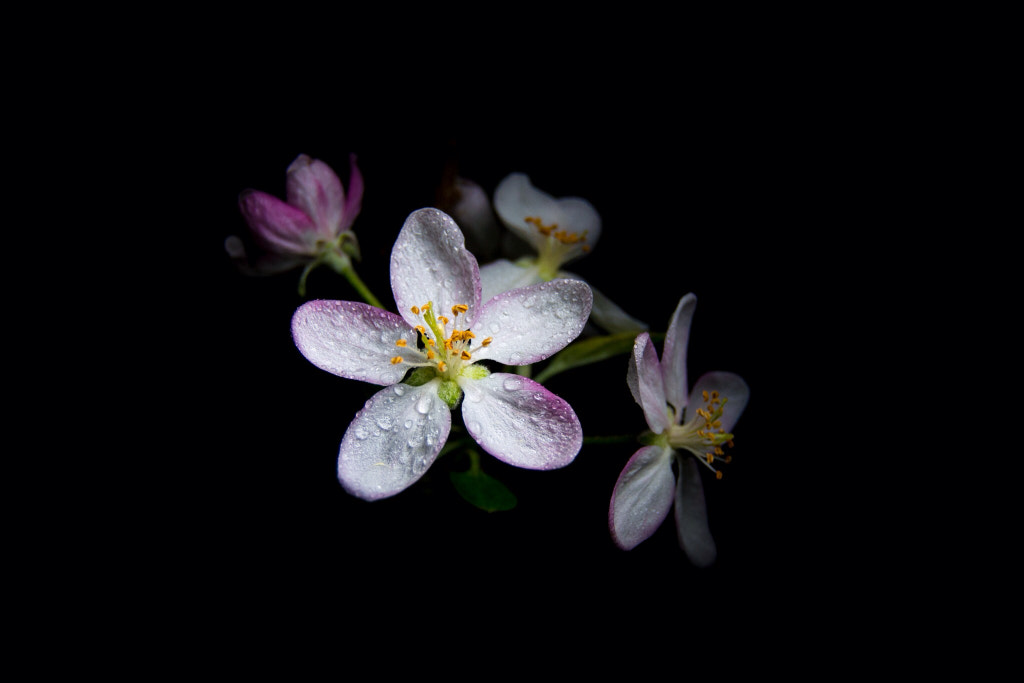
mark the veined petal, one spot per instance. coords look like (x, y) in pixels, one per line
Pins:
(643, 375)
(502, 275)
(607, 314)
(529, 324)
(430, 262)
(728, 385)
(351, 339)
(314, 187)
(642, 496)
(692, 515)
(520, 422)
(516, 199)
(673, 355)
(393, 440)
(276, 225)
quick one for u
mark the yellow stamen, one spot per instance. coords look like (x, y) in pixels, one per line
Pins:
(430, 354)
(487, 341)
(416, 311)
(400, 342)
(459, 308)
(444, 320)
(442, 366)
(465, 356)
(396, 360)
(422, 330)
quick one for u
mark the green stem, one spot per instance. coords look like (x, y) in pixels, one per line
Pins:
(360, 286)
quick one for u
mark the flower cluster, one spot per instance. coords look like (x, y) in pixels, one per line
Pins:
(456, 356)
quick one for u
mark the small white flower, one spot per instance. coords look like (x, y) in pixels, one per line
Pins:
(441, 334)
(681, 425)
(559, 231)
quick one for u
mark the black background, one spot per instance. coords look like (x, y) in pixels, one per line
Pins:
(737, 203)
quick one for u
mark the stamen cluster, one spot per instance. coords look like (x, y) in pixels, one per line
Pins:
(441, 349)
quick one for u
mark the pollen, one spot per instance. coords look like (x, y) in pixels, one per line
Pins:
(465, 356)
(459, 308)
(487, 341)
(416, 311)
(442, 366)
(396, 360)
(401, 342)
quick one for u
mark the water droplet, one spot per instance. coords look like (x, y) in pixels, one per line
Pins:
(361, 432)
(384, 422)
(530, 301)
(512, 384)
(515, 358)
(408, 424)
(424, 404)
(473, 427)
(495, 328)
(399, 389)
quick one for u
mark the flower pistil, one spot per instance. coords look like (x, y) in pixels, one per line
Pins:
(703, 434)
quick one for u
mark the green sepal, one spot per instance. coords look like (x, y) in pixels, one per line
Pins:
(590, 350)
(482, 490)
(450, 393)
(420, 376)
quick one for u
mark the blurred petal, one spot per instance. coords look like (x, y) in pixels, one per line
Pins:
(314, 187)
(502, 275)
(260, 261)
(276, 225)
(608, 315)
(529, 324)
(430, 262)
(728, 385)
(644, 378)
(673, 356)
(520, 422)
(393, 440)
(351, 339)
(692, 515)
(642, 496)
(474, 214)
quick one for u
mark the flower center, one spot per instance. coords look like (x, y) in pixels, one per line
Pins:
(703, 434)
(555, 249)
(446, 352)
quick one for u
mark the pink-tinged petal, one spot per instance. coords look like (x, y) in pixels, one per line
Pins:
(520, 422)
(605, 313)
(314, 187)
(393, 440)
(529, 324)
(430, 262)
(692, 515)
(354, 197)
(277, 226)
(673, 356)
(352, 339)
(643, 375)
(728, 385)
(642, 496)
(502, 275)
(516, 199)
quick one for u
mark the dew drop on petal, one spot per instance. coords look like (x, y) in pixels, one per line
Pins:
(361, 432)
(399, 389)
(512, 384)
(474, 427)
(424, 404)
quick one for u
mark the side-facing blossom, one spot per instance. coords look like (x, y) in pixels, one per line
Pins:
(442, 332)
(689, 429)
(559, 231)
(312, 225)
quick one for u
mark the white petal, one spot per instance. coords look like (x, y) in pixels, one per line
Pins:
(643, 375)
(430, 262)
(475, 215)
(520, 422)
(642, 496)
(529, 324)
(351, 339)
(393, 440)
(692, 515)
(673, 356)
(728, 385)
(502, 275)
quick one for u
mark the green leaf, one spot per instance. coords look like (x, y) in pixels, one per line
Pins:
(590, 350)
(482, 490)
